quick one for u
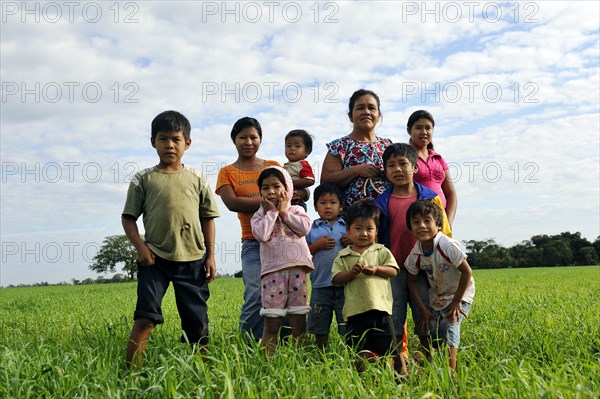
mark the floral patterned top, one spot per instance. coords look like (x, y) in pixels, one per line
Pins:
(353, 153)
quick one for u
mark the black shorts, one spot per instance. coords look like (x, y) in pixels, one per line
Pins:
(191, 295)
(373, 331)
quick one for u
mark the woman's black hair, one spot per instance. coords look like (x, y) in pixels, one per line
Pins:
(358, 94)
(415, 116)
(244, 123)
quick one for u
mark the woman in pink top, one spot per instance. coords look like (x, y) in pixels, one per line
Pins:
(433, 170)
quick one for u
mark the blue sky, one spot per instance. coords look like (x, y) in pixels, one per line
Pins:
(514, 88)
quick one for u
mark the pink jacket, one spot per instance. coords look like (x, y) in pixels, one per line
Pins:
(282, 242)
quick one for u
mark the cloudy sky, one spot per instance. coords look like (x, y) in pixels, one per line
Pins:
(513, 86)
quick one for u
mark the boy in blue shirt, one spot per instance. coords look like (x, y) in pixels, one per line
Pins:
(400, 165)
(178, 211)
(327, 237)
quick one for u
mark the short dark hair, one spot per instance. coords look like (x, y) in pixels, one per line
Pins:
(270, 172)
(170, 121)
(303, 134)
(244, 123)
(400, 150)
(423, 208)
(363, 209)
(328, 188)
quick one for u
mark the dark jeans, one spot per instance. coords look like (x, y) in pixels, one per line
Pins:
(191, 295)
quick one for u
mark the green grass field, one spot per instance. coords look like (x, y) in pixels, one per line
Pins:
(531, 333)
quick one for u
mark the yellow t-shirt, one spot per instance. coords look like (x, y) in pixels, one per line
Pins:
(365, 293)
(244, 185)
(172, 204)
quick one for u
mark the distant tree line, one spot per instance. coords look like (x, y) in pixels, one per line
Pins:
(116, 278)
(564, 249)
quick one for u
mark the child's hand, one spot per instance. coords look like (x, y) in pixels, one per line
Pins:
(345, 240)
(356, 268)
(298, 196)
(211, 268)
(369, 270)
(325, 243)
(454, 312)
(283, 202)
(426, 315)
(267, 205)
(145, 256)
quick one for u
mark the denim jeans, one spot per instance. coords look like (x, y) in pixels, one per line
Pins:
(443, 329)
(250, 320)
(324, 303)
(402, 298)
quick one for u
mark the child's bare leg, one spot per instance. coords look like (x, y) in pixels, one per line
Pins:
(138, 338)
(322, 340)
(366, 356)
(271, 333)
(425, 345)
(399, 364)
(398, 360)
(453, 357)
(298, 325)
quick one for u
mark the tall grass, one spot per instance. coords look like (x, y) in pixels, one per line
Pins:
(531, 333)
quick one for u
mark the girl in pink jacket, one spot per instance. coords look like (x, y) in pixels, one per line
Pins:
(285, 258)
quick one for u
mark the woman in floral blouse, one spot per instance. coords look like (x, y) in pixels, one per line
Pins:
(354, 161)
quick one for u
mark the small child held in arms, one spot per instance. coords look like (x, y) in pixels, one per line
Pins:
(327, 237)
(285, 258)
(298, 146)
(179, 237)
(452, 285)
(364, 269)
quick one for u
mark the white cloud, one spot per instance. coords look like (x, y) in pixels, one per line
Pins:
(68, 149)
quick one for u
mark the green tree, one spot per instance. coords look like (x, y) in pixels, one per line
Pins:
(116, 250)
(519, 252)
(577, 243)
(487, 254)
(557, 252)
(587, 256)
(474, 249)
(541, 240)
(495, 256)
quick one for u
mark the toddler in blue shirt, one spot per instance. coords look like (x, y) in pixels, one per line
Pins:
(326, 238)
